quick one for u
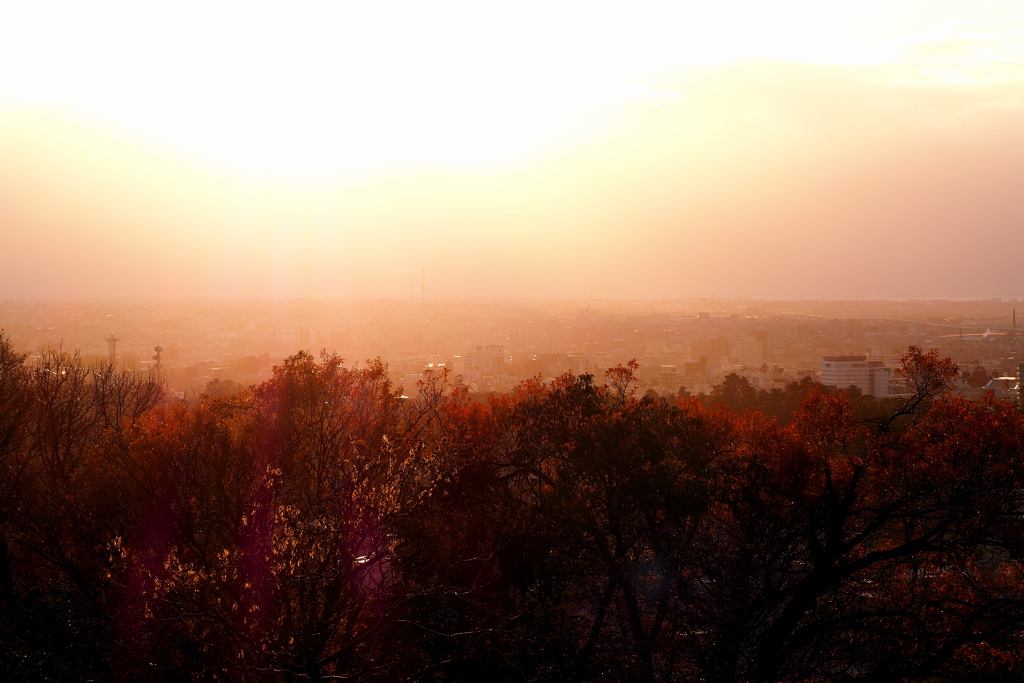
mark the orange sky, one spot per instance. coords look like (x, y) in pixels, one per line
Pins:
(806, 149)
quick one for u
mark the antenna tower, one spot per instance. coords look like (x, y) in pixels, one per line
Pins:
(112, 347)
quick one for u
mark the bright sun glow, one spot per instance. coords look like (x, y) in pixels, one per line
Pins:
(312, 88)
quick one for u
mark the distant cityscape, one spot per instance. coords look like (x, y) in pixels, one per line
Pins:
(682, 346)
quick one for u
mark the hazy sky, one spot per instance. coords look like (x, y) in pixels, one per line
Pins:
(638, 149)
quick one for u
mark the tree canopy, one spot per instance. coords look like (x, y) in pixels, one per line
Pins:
(324, 526)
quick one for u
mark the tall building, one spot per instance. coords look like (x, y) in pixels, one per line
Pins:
(761, 336)
(878, 379)
(871, 377)
(488, 359)
(714, 349)
(748, 351)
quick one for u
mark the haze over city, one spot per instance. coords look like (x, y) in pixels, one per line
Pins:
(522, 341)
(651, 150)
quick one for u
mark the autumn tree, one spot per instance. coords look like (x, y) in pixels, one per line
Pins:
(736, 392)
(56, 512)
(325, 524)
(607, 489)
(835, 554)
(928, 377)
(14, 410)
(275, 521)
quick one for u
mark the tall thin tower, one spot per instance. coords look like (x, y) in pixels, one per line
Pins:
(112, 347)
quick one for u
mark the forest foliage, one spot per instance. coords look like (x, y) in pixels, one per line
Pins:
(324, 526)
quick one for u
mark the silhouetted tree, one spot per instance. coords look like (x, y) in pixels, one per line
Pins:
(736, 392)
(323, 526)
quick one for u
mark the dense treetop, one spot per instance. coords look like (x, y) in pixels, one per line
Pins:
(322, 526)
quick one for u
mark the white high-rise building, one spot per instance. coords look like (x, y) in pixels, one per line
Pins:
(845, 371)
(855, 371)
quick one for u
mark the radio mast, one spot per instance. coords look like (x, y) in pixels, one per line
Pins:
(112, 346)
